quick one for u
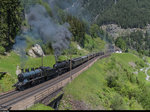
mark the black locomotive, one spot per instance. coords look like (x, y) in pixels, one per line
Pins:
(34, 77)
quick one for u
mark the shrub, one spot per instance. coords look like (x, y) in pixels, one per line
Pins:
(112, 80)
(2, 50)
(47, 48)
(93, 44)
(140, 64)
(118, 103)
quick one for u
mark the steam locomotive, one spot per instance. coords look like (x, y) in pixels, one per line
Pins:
(36, 76)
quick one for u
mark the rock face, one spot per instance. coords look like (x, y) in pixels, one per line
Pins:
(36, 51)
(79, 47)
(115, 31)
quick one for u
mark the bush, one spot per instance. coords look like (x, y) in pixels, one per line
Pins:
(2, 50)
(118, 103)
(121, 43)
(6, 83)
(140, 64)
(47, 48)
(93, 44)
(112, 80)
(73, 50)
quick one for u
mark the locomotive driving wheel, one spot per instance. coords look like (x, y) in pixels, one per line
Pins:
(21, 88)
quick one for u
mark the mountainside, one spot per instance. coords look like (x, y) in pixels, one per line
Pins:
(74, 28)
(126, 13)
(125, 19)
(79, 14)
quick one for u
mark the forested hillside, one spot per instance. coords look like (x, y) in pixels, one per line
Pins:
(10, 22)
(73, 28)
(137, 41)
(83, 16)
(126, 13)
(14, 21)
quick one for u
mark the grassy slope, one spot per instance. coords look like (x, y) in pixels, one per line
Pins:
(149, 69)
(79, 52)
(40, 107)
(9, 64)
(92, 87)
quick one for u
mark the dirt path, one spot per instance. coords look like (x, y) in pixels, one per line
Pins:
(146, 72)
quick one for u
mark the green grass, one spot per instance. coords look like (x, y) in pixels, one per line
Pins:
(9, 63)
(6, 83)
(148, 59)
(148, 72)
(92, 85)
(40, 107)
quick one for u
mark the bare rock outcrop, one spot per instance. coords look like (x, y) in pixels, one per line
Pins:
(116, 31)
(36, 51)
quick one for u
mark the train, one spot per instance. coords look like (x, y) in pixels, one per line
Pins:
(39, 75)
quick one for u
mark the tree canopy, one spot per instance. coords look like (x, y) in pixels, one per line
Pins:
(10, 22)
(126, 13)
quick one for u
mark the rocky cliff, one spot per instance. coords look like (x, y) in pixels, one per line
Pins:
(116, 31)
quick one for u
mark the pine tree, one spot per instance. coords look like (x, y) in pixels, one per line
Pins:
(10, 21)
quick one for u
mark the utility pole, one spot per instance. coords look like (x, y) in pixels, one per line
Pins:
(42, 59)
(70, 63)
(70, 66)
(88, 60)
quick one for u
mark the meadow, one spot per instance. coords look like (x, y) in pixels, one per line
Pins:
(9, 64)
(40, 107)
(112, 85)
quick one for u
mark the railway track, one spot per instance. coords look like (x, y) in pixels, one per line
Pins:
(11, 98)
(8, 94)
(24, 95)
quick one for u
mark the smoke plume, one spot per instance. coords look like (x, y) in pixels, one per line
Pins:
(44, 28)
(48, 31)
(19, 47)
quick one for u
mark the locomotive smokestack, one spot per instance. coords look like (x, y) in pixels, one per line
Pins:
(27, 70)
(42, 59)
(22, 70)
(56, 58)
